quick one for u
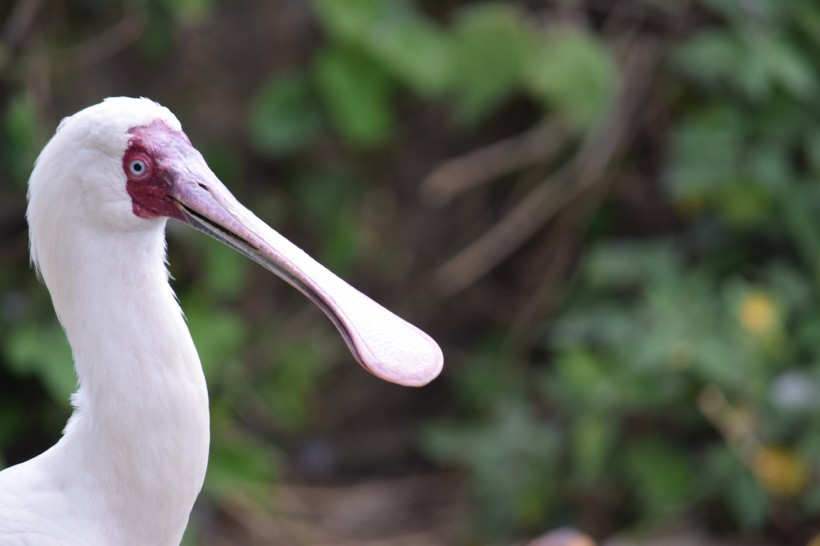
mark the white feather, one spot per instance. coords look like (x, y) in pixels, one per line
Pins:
(141, 410)
(133, 455)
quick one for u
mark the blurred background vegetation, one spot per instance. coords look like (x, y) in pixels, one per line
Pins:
(607, 212)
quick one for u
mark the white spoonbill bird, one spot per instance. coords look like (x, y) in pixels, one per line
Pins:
(132, 458)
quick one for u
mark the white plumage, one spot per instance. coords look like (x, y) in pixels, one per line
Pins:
(133, 456)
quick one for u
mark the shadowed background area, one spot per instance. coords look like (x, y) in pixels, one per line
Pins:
(605, 212)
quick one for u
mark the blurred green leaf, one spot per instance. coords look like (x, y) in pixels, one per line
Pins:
(43, 351)
(283, 116)
(706, 150)
(812, 149)
(190, 12)
(328, 200)
(593, 442)
(241, 463)
(289, 386)
(322, 194)
(581, 378)
(349, 20)
(225, 270)
(21, 130)
(415, 51)
(662, 476)
(11, 425)
(407, 45)
(511, 456)
(488, 381)
(492, 45)
(801, 219)
(709, 55)
(340, 246)
(356, 93)
(806, 17)
(756, 63)
(573, 73)
(811, 501)
(624, 264)
(217, 333)
(745, 497)
(772, 59)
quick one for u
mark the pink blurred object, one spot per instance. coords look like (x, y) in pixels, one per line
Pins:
(563, 537)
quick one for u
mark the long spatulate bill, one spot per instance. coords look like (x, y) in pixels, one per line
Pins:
(386, 345)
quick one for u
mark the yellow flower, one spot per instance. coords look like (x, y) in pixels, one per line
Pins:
(782, 472)
(758, 313)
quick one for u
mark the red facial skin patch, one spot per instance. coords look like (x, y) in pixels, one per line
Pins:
(165, 154)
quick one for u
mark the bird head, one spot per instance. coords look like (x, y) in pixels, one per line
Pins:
(125, 166)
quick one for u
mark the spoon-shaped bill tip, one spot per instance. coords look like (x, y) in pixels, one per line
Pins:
(384, 344)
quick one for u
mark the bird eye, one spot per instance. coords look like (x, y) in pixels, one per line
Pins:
(137, 167)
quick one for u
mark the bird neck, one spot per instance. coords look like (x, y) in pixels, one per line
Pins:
(138, 438)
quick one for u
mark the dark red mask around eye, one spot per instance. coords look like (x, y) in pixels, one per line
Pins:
(148, 163)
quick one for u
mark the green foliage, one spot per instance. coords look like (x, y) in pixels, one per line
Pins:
(492, 46)
(189, 11)
(614, 402)
(573, 74)
(239, 462)
(283, 117)
(225, 273)
(662, 475)
(327, 200)
(218, 334)
(43, 351)
(512, 457)
(20, 138)
(289, 388)
(730, 481)
(652, 327)
(490, 54)
(409, 46)
(755, 64)
(357, 96)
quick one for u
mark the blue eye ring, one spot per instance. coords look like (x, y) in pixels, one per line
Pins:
(138, 167)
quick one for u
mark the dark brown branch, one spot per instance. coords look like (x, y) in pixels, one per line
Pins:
(108, 43)
(460, 174)
(586, 169)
